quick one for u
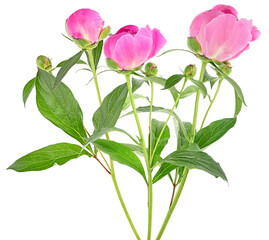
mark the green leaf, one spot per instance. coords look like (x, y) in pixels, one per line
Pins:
(238, 104)
(99, 133)
(159, 109)
(136, 84)
(172, 50)
(195, 159)
(135, 148)
(127, 102)
(27, 90)
(209, 78)
(173, 80)
(66, 67)
(163, 171)
(166, 168)
(59, 106)
(181, 138)
(162, 81)
(213, 132)
(63, 62)
(232, 82)
(156, 128)
(188, 91)
(108, 113)
(201, 86)
(120, 153)
(46, 157)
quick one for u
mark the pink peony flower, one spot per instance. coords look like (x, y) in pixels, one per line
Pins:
(85, 24)
(130, 47)
(221, 35)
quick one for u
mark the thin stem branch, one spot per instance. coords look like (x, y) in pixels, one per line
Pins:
(112, 170)
(94, 156)
(150, 119)
(170, 114)
(211, 103)
(186, 170)
(150, 194)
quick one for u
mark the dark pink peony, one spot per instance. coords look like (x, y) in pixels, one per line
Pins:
(130, 47)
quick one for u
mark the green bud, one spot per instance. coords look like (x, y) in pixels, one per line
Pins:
(190, 71)
(111, 64)
(44, 63)
(104, 33)
(225, 67)
(193, 45)
(151, 70)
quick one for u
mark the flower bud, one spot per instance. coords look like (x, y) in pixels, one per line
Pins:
(151, 70)
(190, 71)
(225, 67)
(44, 63)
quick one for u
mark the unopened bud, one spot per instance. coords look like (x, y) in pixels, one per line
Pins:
(225, 67)
(44, 63)
(151, 70)
(190, 71)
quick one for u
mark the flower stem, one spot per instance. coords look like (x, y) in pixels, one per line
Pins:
(186, 170)
(112, 170)
(150, 195)
(150, 119)
(211, 103)
(170, 114)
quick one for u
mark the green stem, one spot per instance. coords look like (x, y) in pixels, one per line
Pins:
(150, 194)
(186, 170)
(211, 103)
(170, 114)
(194, 122)
(171, 209)
(94, 75)
(150, 118)
(112, 170)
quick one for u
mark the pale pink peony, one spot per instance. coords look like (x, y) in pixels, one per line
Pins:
(221, 35)
(85, 24)
(130, 47)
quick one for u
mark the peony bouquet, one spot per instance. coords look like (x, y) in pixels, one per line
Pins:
(216, 37)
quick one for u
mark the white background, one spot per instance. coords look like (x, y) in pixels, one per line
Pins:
(77, 200)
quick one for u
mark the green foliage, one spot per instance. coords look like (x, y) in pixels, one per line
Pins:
(188, 91)
(46, 157)
(68, 64)
(156, 128)
(27, 90)
(108, 113)
(201, 86)
(195, 159)
(173, 80)
(213, 132)
(59, 106)
(96, 52)
(120, 153)
(209, 78)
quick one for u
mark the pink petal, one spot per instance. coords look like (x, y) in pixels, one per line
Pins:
(158, 42)
(225, 9)
(132, 29)
(201, 20)
(236, 55)
(110, 44)
(124, 52)
(85, 24)
(255, 33)
(225, 36)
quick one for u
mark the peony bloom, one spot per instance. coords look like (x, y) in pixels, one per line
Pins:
(221, 35)
(130, 47)
(85, 24)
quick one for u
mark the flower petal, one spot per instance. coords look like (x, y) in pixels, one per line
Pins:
(132, 29)
(225, 9)
(110, 44)
(201, 20)
(158, 42)
(85, 24)
(226, 37)
(255, 33)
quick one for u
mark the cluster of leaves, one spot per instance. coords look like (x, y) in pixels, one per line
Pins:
(56, 103)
